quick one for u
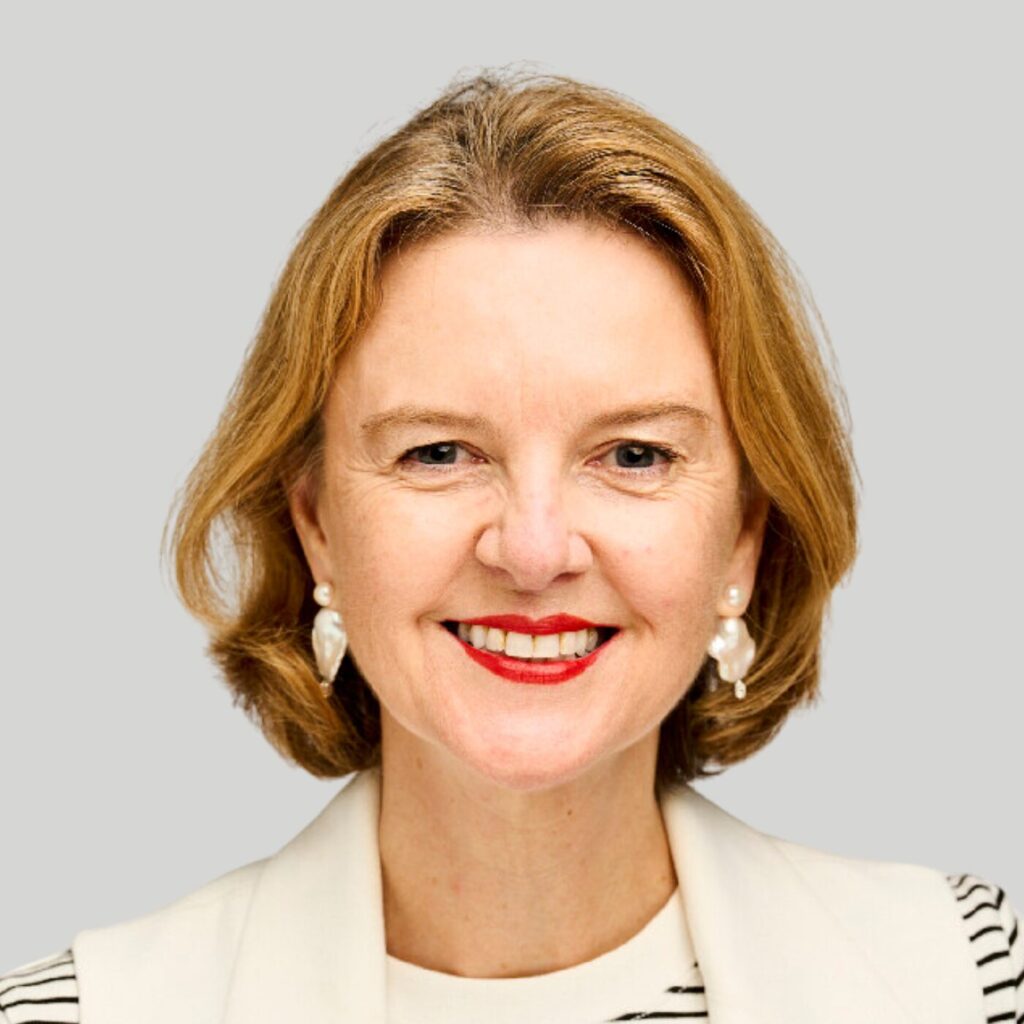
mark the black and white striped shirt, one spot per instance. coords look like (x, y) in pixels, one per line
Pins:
(45, 991)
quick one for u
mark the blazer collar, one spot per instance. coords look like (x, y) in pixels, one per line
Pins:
(768, 948)
(314, 937)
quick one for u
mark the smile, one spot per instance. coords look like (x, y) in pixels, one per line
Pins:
(543, 658)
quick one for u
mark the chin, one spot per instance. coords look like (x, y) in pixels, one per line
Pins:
(527, 771)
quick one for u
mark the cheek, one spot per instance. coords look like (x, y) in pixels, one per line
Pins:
(671, 574)
(395, 555)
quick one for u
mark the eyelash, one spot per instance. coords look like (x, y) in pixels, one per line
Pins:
(669, 454)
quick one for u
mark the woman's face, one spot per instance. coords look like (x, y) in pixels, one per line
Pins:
(514, 491)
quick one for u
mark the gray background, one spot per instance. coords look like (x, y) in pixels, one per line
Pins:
(159, 164)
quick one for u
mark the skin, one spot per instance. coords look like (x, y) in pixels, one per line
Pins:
(520, 832)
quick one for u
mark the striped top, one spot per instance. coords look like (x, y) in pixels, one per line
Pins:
(45, 991)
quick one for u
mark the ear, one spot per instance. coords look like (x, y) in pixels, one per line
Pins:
(304, 507)
(742, 569)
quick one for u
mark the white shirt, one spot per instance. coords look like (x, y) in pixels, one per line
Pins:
(654, 970)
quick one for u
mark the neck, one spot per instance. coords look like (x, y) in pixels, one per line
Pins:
(483, 881)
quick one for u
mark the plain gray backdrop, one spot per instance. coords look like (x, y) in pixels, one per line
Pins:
(159, 163)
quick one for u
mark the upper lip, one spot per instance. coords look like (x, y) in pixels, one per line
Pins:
(560, 623)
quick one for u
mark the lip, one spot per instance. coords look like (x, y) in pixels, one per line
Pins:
(518, 671)
(560, 623)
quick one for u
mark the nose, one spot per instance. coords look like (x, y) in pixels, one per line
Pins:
(532, 538)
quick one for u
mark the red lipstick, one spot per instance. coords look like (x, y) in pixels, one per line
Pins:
(518, 670)
(541, 627)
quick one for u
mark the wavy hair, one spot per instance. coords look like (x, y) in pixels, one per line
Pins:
(499, 150)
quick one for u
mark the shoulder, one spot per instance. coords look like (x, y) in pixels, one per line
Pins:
(44, 989)
(905, 889)
(192, 931)
(195, 933)
(917, 905)
(216, 904)
(119, 968)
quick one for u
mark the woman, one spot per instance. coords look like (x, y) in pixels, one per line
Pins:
(539, 489)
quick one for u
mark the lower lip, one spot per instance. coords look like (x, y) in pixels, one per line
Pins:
(518, 671)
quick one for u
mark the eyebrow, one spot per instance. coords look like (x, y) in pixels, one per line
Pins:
(416, 415)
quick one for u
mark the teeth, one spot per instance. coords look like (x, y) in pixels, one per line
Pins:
(525, 645)
(543, 646)
(519, 645)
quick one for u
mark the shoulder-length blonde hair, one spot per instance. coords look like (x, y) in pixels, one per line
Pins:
(512, 150)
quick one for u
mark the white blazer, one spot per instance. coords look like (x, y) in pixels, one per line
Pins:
(783, 933)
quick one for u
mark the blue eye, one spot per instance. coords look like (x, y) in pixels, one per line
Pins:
(441, 450)
(442, 456)
(640, 450)
(636, 458)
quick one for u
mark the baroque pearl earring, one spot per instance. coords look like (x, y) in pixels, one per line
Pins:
(329, 638)
(732, 647)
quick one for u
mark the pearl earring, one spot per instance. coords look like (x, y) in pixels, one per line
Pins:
(329, 638)
(732, 647)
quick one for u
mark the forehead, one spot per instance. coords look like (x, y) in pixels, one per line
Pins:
(565, 320)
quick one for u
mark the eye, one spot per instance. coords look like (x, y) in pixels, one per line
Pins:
(636, 455)
(445, 451)
(631, 458)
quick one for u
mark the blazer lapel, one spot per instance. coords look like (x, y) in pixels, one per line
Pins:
(773, 947)
(314, 943)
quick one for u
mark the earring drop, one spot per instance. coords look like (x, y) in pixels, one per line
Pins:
(732, 647)
(329, 638)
